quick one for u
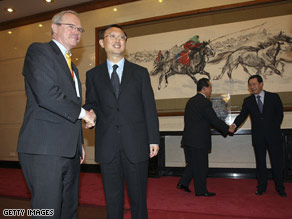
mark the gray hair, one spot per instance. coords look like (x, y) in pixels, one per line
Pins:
(58, 17)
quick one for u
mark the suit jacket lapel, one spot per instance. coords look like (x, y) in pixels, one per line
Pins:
(106, 78)
(62, 62)
(255, 103)
(127, 72)
(266, 100)
(78, 81)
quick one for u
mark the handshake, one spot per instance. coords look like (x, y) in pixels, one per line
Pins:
(232, 128)
(89, 118)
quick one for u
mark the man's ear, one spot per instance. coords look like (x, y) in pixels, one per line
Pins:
(101, 43)
(54, 28)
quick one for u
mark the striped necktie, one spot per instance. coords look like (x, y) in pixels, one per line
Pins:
(68, 59)
(260, 103)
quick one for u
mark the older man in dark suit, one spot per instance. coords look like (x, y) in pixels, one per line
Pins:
(266, 114)
(50, 140)
(196, 140)
(126, 133)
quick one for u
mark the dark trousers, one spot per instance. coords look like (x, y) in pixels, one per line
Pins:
(135, 174)
(196, 168)
(276, 157)
(53, 183)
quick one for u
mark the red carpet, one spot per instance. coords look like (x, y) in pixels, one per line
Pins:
(235, 197)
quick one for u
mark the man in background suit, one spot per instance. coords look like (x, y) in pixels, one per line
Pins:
(127, 131)
(50, 140)
(196, 140)
(266, 114)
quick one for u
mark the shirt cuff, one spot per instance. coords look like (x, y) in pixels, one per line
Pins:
(82, 113)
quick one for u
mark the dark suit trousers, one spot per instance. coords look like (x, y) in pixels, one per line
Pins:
(53, 183)
(276, 157)
(187, 174)
(113, 176)
(197, 167)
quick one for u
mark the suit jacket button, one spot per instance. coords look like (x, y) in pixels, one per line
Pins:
(118, 109)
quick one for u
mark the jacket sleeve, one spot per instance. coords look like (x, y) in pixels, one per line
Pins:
(91, 100)
(150, 109)
(279, 109)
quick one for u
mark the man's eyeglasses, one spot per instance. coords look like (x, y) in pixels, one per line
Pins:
(115, 37)
(72, 27)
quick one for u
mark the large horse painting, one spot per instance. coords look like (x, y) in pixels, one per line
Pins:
(227, 54)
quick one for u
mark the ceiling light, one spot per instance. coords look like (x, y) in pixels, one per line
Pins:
(49, 1)
(40, 25)
(115, 9)
(160, 1)
(9, 32)
(10, 10)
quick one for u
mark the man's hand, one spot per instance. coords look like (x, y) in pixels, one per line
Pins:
(154, 148)
(232, 128)
(89, 118)
(83, 155)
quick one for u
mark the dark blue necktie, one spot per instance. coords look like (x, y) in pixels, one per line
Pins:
(260, 103)
(115, 81)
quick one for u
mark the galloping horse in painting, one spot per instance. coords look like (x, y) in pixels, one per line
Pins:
(168, 64)
(283, 58)
(262, 57)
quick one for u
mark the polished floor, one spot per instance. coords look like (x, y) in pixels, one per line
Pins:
(84, 212)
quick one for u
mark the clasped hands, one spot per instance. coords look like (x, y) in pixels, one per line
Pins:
(232, 128)
(89, 118)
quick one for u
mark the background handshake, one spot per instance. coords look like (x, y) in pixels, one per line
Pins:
(89, 118)
(232, 128)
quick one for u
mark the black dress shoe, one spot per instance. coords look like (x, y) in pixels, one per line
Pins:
(282, 193)
(207, 194)
(259, 192)
(182, 187)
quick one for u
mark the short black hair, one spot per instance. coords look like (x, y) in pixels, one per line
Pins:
(203, 82)
(258, 77)
(101, 34)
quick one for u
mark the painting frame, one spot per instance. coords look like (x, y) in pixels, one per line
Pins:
(202, 18)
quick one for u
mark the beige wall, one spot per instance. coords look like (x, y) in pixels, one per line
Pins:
(13, 49)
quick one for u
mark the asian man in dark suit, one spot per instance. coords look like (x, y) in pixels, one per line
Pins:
(266, 113)
(127, 131)
(50, 140)
(196, 140)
